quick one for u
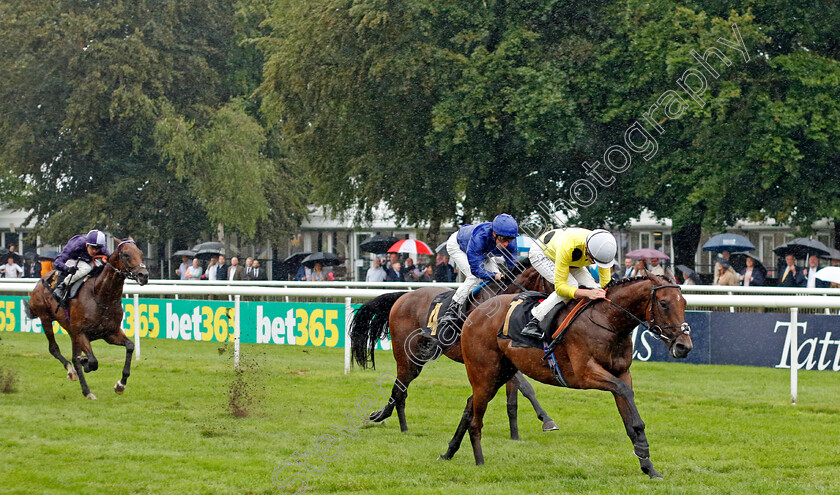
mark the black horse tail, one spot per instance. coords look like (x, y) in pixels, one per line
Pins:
(369, 325)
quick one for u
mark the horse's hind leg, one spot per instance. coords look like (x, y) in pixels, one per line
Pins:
(512, 391)
(119, 338)
(80, 342)
(406, 373)
(46, 324)
(529, 393)
(455, 443)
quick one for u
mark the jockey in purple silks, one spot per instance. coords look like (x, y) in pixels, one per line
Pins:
(76, 259)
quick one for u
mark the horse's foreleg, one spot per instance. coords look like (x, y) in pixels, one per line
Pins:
(633, 424)
(622, 390)
(455, 443)
(119, 338)
(46, 324)
(512, 391)
(530, 394)
(78, 346)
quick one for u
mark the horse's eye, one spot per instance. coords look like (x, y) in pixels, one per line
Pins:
(663, 304)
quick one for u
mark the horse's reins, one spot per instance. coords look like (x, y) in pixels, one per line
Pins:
(650, 313)
(129, 271)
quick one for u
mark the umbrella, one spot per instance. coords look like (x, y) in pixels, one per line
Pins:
(524, 243)
(728, 242)
(183, 252)
(295, 259)
(739, 262)
(441, 249)
(688, 272)
(802, 247)
(833, 254)
(324, 258)
(30, 255)
(377, 244)
(13, 254)
(829, 274)
(638, 254)
(410, 246)
(214, 248)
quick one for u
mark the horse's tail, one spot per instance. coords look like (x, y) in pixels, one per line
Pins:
(369, 325)
(26, 309)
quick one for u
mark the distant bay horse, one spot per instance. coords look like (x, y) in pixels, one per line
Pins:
(403, 313)
(95, 313)
(595, 352)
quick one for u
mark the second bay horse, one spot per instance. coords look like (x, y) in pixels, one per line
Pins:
(403, 313)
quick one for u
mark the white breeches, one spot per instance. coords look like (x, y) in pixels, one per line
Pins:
(462, 263)
(577, 277)
(82, 269)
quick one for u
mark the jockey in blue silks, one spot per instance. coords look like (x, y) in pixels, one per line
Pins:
(472, 249)
(76, 259)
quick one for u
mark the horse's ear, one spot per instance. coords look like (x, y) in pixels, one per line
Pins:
(117, 240)
(669, 276)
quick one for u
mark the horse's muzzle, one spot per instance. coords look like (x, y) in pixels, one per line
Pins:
(142, 277)
(681, 347)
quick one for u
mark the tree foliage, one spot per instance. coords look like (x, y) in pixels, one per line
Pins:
(128, 116)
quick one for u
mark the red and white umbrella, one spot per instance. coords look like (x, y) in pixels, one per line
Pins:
(411, 246)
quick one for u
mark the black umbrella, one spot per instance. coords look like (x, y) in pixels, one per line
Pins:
(183, 252)
(688, 272)
(13, 254)
(833, 254)
(295, 259)
(214, 248)
(325, 259)
(377, 244)
(802, 247)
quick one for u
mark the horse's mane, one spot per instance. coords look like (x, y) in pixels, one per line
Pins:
(648, 276)
(522, 265)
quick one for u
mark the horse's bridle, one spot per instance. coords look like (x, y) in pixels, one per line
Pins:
(129, 271)
(650, 314)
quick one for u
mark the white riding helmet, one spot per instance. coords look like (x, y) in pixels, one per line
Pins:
(602, 247)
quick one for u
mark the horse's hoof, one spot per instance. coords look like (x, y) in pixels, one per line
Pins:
(71, 374)
(119, 388)
(91, 396)
(443, 457)
(550, 426)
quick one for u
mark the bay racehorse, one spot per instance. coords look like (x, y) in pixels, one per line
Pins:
(404, 313)
(594, 352)
(95, 313)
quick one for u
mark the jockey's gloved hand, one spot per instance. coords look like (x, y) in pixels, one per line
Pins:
(71, 270)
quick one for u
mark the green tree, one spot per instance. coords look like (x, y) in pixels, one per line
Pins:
(87, 93)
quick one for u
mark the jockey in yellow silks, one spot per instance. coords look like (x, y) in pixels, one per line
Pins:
(561, 256)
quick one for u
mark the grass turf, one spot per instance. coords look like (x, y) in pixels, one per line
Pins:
(712, 429)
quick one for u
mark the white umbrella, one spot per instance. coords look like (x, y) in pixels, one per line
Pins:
(829, 274)
(524, 243)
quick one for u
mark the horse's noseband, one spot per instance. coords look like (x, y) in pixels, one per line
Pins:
(655, 329)
(130, 271)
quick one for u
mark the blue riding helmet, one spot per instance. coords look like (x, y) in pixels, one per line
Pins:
(95, 238)
(505, 225)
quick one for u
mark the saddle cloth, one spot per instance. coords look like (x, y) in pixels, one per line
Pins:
(438, 307)
(519, 314)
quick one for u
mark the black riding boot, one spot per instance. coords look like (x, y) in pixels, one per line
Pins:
(61, 292)
(532, 329)
(452, 316)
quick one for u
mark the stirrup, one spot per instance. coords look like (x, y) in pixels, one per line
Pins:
(532, 329)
